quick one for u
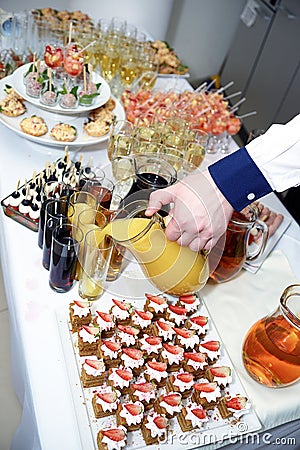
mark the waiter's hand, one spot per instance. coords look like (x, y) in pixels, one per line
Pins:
(199, 211)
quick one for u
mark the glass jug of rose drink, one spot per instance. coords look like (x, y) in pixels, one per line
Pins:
(271, 349)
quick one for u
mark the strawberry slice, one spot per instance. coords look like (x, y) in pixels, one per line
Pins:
(173, 399)
(237, 403)
(94, 363)
(122, 304)
(153, 340)
(212, 346)
(189, 299)
(158, 299)
(161, 422)
(133, 353)
(179, 310)
(164, 325)
(199, 320)
(144, 315)
(104, 316)
(143, 387)
(91, 330)
(185, 377)
(129, 330)
(174, 349)
(159, 366)
(220, 371)
(194, 356)
(125, 374)
(112, 345)
(108, 397)
(199, 412)
(134, 408)
(81, 304)
(114, 434)
(205, 387)
(185, 333)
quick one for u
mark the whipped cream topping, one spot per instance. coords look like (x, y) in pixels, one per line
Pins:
(130, 362)
(108, 406)
(145, 396)
(129, 418)
(24, 209)
(149, 348)
(14, 201)
(189, 342)
(171, 358)
(201, 329)
(223, 381)
(168, 334)
(34, 215)
(87, 337)
(103, 324)
(178, 318)
(109, 353)
(157, 308)
(237, 413)
(137, 320)
(80, 311)
(155, 374)
(91, 370)
(119, 313)
(171, 409)
(211, 396)
(117, 380)
(196, 364)
(196, 421)
(126, 338)
(210, 354)
(113, 445)
(150, 425)
(182, 386)
(191, 306)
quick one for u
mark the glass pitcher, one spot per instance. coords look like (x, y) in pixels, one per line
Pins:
(169, 267)
(271, 349)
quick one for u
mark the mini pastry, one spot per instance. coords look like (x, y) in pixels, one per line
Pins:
(88, 339)
(176, 314)
(105, 401)
(106, 324)
(211, 349)
(154, 428)
(199, 324)
(34, 125)
(80, 314)
(112, 438)
(187, 339)
(190, 302)
(234, 406)
(121, 311)
(169, 404)
(92, 372)
(120, 378)
(172, 355)
(195, 363)
(206, 394)
(192, 416)
(156, 304)
(64, 132)
(144, 392)
(181, 382)
(220, 374)
(142, 320)
(99, 127)
(157, 372)
(12, 106)
(133, 358)
(127, 335)
(163, 329)
(110, 351)
(130, 415)
(151, 346)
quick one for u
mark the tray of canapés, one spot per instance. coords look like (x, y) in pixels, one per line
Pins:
(154, 371)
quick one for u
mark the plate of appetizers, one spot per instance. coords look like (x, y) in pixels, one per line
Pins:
(51, 128)
(100, 87)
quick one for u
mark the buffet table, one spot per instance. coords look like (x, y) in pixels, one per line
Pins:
(53, 416)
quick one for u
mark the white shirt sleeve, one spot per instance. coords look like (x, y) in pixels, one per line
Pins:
(277, 154)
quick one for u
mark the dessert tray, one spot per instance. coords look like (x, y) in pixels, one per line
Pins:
(215, 429)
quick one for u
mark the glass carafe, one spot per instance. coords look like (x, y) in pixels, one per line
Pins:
(271, 349)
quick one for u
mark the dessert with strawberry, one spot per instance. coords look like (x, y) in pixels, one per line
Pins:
(88, 339)
(190, 302)
(144, 392)
(92, 372)
(156, 304)
(220, 374)
(156, 371)
(154, 428)
(199, 324)
(169, 404)
(164, 329)
(113, 438)
(110, 351)
(80, 314)
(142, 320)
(121, 311)
(130, 415)
(211, 349)
(172, 355)
(127, 335)
(150, 345)
(181, 382)
(192, 416)
(195, 363)
(134, 358)
(106, 324)
(176, 314)
(187, 339)
(206, 394)
(120, 378)
(234, 406)
(105, 401)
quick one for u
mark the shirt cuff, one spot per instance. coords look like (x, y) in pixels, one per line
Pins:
(239, 179)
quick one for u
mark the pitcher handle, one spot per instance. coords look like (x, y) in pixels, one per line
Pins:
(261, 226)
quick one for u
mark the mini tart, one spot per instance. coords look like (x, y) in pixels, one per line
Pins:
(112, 438)
(195, 363)
(190, 302)
(144, 392)
(110, 351)
(169, 404)
(106, 324)
(121, 311)
(220, 374)
(142, 320)
(130, 415)
(173, 356)
(211, 349)
(34, 125)
(88, 339)
(192, 416)
(199, 324)
(127, 335)
(150, 345)
(97, 128)
(64, 132)
(156, 304)
(12, 106)
(133, 358)
(105, 401)
(233, 406)
(187, 339)
(176, 314)
(206, 394)
(154, 428)
(157, 372)
(120, 378)
(164, 329)
(80, 314)
(181, 382)
(93, 372)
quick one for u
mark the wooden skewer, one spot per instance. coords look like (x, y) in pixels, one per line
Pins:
(84, 79)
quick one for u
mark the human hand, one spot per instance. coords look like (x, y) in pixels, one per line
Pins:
(199, 212)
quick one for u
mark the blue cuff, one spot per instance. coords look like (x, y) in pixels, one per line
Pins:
(239, 179)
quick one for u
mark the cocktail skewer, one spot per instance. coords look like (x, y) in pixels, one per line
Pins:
(236, 106)
(251, 113)
(225, 87)
(235, 94)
